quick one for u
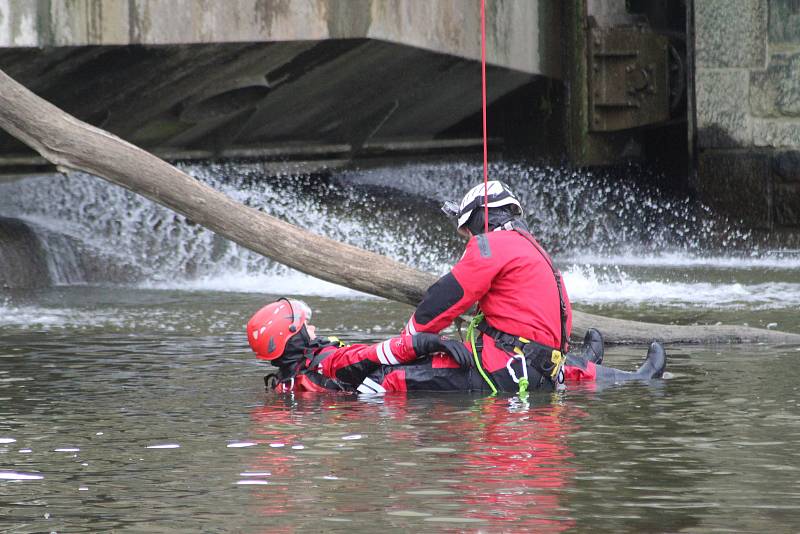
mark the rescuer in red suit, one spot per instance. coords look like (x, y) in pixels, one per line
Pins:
(526, 313)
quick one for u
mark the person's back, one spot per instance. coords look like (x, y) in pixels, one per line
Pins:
(514, 286)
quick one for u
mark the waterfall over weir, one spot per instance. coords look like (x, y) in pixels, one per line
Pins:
(616, 242)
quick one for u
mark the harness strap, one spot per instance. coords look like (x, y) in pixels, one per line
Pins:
(562, 304)
(546, 360)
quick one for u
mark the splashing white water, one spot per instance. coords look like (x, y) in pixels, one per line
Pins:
(121, 237)
(589, 285)
(781, 261)
(99, 233)
(291, 283)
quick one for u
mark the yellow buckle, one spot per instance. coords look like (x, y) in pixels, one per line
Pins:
(558, 359)
(518, 350)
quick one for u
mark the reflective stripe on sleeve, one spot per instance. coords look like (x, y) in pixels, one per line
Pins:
(387, 351)
(385, 355)
(410, 327)
(381, 355)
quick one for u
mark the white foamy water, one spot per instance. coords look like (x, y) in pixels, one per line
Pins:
(13, 475)
(41, 317)
(97, 233)
(110, 235)
(288, 283)
(780, 261)
(588, 286)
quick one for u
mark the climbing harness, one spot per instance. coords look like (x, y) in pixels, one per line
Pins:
(316, 360)
(546, 360)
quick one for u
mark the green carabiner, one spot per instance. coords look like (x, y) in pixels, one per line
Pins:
(523, 387)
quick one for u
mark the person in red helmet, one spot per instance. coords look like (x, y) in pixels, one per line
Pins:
(281, 334)
(524, 315)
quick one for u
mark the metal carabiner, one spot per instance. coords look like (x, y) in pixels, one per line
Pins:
(510, 369)
(523, 382)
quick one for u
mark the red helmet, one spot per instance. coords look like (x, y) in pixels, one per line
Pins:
(270, 328)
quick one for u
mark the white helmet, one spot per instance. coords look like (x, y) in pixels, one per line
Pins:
(499, 195)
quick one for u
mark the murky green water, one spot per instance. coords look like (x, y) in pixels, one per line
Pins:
(144, 411)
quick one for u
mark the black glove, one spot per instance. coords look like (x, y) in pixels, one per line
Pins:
(459, 352)
(425, 343)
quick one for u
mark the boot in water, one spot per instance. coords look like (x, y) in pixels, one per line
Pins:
(581, 366)
(653, 367)
(593, 350)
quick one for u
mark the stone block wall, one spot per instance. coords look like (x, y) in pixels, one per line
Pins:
(747, 95)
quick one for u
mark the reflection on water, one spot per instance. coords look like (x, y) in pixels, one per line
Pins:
(152, 417)
(451, 459)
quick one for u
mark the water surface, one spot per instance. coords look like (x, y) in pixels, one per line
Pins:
(143, 410)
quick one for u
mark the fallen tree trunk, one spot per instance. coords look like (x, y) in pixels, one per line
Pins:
(68, 142)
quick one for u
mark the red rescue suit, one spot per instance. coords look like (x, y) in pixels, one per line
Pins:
(391, 365)
(511, 279)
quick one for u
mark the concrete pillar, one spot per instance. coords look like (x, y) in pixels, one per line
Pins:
(747, 90)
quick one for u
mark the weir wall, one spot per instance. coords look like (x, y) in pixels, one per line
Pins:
(747, 90)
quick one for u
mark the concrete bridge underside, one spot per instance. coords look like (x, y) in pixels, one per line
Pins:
(210, 77)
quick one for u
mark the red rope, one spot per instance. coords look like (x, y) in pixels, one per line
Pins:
(483, 107)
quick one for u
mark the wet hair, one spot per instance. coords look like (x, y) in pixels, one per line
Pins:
(497, 217)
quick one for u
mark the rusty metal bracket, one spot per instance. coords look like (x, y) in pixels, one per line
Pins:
(628, 78)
